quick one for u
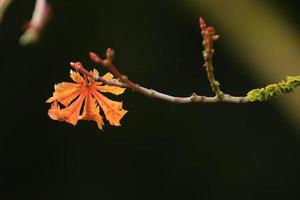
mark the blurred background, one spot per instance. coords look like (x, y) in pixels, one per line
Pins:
(161, 151)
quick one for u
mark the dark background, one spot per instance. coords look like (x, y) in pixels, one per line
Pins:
(161, 151)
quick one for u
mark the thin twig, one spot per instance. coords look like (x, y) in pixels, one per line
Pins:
(108, 64)
(193, 98)
(208, 38)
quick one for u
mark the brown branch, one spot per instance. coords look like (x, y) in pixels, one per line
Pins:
(208, 38)
(193, 98)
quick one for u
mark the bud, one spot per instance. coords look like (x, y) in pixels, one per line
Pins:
(94, 57)
(215, 37)
(76, 65)
(210, 30)
(109, 54)
(202, 23)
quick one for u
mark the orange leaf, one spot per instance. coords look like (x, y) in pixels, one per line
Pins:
(69, 114)
(111, 89)
(65, 93)
(105, 88)
(112, 109)
(85, 89)
(91, 111)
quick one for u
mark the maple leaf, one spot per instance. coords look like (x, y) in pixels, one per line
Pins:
(86, 93)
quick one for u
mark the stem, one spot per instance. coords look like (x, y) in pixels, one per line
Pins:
(126, 83)
(215, 85)
(209, 36)
(194, 98)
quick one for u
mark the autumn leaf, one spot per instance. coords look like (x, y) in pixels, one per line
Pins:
(83, 100)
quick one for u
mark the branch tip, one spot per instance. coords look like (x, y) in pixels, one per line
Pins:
(79, 67)
(202, 23)
(110, 54)
(75, 65)
(94, 57)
